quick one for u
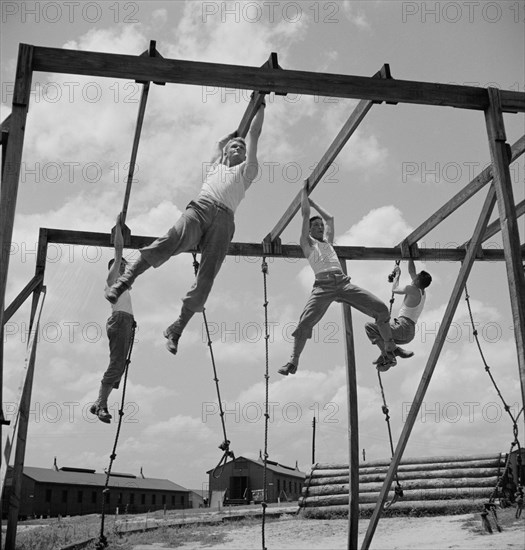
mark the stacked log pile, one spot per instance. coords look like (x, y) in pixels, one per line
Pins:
(436, 485)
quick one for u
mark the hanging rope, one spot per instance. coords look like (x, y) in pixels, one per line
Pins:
(398, 490)
(490, 507)
(264, 269)
(225, 445)
(102, 541)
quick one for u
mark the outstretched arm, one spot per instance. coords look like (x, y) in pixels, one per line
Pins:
(305, 229)
(328, 219)
(114, 272)
(252, 139)
(412, 269)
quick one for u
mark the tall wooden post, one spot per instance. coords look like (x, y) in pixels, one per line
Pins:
(353, 427)
(21, 434)
(10, 175)
(470, 256)
(509, 226)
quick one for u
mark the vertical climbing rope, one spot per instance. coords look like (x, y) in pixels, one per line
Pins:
(398, 490)
(102, 541)
(490, 507)
(225, 445)
(264, 269)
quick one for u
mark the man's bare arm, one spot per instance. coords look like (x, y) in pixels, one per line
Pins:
(252, 140)
(328, 219)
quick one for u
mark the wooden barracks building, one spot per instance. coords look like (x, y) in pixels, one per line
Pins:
(241, 481)
(75, 491)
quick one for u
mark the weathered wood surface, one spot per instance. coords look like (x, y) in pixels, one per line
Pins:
(495, 458)
(255, 250)
(414, 484)
(197, 73)
(461, 493)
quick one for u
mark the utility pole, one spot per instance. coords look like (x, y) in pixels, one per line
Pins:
(313, 440)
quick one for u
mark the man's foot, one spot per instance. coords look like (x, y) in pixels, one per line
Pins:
(113, 293)
(403, 353)
(386, 362)
(172, 345)
(289, 368)
(101, 412)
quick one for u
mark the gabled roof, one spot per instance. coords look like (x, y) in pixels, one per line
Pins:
(47, 475)
(273, 466)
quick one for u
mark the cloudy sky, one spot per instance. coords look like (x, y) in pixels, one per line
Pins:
(404, 162)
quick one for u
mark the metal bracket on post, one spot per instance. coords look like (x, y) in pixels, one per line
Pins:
(409, 251)
(384, 72)
(272, 247)
(151, 52)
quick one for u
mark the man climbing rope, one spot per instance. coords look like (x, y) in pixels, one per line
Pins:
(403, 326)
(331, 285)
(208, 222)
(119, 328)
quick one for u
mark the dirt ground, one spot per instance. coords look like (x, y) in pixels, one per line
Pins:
(461, 532)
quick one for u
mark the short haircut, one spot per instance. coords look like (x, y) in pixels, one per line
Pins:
(112, 261)
(425, 279)
(313, 218)
(232, 140)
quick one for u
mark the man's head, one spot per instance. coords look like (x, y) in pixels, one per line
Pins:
(423, 279)
(234, 152)
(123, 264)
(317, 228)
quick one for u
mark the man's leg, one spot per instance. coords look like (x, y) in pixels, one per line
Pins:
(316, 306)
(119, 329)
(184, 235)
(214, 246)
(371, 305)
(403, 332)
(375, 338)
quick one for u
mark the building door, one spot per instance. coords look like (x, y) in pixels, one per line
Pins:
(238, 487)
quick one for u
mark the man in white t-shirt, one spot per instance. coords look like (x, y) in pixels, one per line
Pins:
(119, 328)
(208, 222)
(331, 285)
(403, 326)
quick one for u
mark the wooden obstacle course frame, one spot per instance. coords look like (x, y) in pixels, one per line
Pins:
(271, 78)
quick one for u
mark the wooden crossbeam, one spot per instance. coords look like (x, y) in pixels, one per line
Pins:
(350, 126)
(131, 67)
(87, 238)
(482, 179)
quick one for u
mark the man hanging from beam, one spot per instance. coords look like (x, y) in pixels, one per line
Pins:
(332, 285)
(208, 223)
(403, 326)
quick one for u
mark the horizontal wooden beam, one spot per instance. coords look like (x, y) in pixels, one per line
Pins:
(482, 179)
(256, 250)
(158, 69)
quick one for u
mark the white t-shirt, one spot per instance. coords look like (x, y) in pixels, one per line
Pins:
(123, 303)
(413, 313)
(226, 185)
(323, 257)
